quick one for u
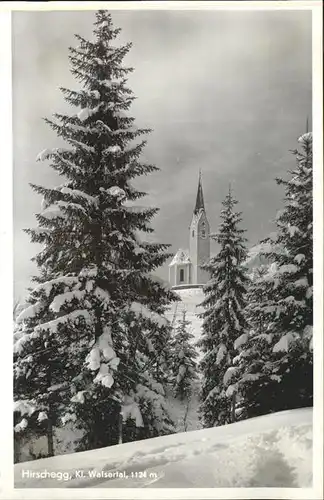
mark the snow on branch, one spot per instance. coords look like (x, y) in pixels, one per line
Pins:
(230, 372)
(68, 417)
(42, 416)
(301, 283)
(104, 376)
(89, 272)
(86, 113)
(284, 343)
(110, 83)
(29, 312)
(101, 126)
(80, 194)
(74, 316)
(230, 391)
(102, 295)
(116, 192)
(93, 358)
(250, 377)
(103, 349)
(47, 153)
(292, 230)
(58, 387)
(52, 212)
(112, 149)
(130, 409)
(63, 280)
(305, 137)
(141, 310)
(105, 344)
(24, 407)
(21, 426)
(75, 206)
(299, 258)
(311, 344)
(181, 373)
(241, 340)
(83, 145)
(287, 268)
(221, 353)
(78, 397)
(156, 400)
(64, 298)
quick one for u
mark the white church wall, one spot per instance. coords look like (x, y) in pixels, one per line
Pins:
(193, 249)
(203, 249)
(172, 275)
(182, 274)
(199, 244)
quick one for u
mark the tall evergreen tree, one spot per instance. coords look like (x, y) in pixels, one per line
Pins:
(254, 382)
(94, 332)
(289, 299)
(224, 317)
(280, 358)
(183, 357)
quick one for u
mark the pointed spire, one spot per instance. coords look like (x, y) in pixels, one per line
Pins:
(200, 197)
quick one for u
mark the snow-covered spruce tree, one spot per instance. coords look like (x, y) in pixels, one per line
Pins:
(93, 334)
(39, 388)
(254, 382)
(290, 284)
(184, 354)
(223, 318)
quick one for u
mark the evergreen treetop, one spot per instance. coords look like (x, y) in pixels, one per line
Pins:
(95, 270)
(276, 362)
(183, 355)
(224, 317)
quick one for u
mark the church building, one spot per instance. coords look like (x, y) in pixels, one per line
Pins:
(184, 269)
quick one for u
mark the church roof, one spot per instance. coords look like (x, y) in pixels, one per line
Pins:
(181, 257)
(200, 197)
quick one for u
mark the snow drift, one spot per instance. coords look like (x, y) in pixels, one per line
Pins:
(269, 451)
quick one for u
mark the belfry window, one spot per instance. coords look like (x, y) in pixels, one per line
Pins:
(181, 275)
(193, 233)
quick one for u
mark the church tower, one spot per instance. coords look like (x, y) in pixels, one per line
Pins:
(199, 239)
(185, 268)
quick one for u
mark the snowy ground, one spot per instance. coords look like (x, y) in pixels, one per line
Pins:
(191, 299)
(183, 413)
(270, 451)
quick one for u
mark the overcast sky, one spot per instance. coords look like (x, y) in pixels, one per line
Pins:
(227, 92)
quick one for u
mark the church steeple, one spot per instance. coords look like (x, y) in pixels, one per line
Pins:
(200, 197)
(199, 241)
(186, 267)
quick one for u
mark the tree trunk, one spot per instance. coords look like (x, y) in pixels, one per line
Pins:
(120, 428)
(174, 315)
(49, 432)
(186, 416)
(16, 449)
(233, 407)
(50, 438)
